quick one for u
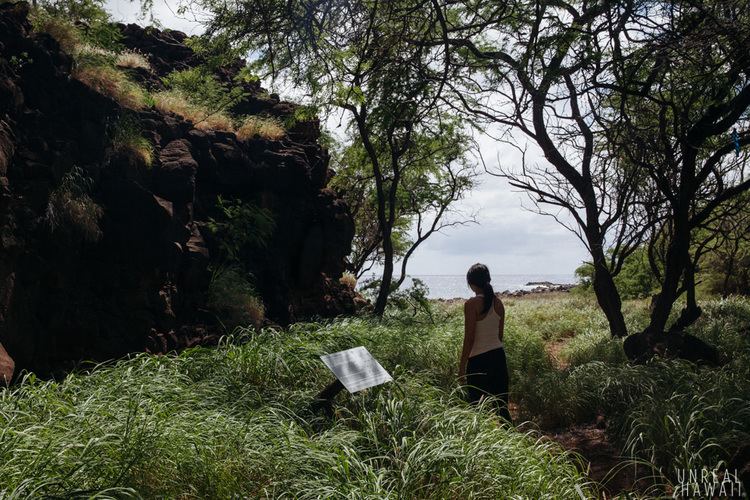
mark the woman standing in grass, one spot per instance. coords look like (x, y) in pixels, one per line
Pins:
(483, 361)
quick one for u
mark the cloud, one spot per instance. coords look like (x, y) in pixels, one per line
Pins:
(164, 11)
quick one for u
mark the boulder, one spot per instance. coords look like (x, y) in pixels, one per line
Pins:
(175, 176)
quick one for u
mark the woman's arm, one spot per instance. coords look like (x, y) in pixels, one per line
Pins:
(470, 324)
(501, 327)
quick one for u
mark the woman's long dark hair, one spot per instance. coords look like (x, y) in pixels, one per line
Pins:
(479, 276)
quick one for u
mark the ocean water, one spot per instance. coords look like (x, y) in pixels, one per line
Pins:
(449, 287)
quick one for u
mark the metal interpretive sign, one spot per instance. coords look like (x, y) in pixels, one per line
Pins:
(356, 369)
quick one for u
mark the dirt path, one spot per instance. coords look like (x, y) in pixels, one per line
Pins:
(554, 350)
(602, 461)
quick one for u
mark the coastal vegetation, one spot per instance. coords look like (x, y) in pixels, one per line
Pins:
(640, 157)
(237, 419)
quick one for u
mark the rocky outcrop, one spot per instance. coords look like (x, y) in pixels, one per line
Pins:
(141, 281)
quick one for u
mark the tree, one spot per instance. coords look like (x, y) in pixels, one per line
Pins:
(727, 264)
(360, 57)
(435, 180)
(533, 69)
(679, 93)
(631, 104)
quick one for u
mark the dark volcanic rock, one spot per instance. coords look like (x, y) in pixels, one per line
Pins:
(7, 367)
(139, 281)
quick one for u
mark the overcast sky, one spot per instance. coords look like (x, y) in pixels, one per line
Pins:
(508, 238)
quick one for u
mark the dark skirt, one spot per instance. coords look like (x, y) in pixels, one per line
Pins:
(487, 374)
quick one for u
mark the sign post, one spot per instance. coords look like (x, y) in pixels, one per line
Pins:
(355, 369)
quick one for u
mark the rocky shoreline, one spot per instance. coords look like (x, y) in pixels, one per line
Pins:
(539, 288)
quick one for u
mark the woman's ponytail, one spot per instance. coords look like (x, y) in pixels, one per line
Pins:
(479, 276)
(489, 297)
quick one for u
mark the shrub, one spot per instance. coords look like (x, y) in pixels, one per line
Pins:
(62, 30)
(71, 208)
(233, 298)
(174, 101)
(242, 225)
(634, 281)
(202, 89)
(267, 128)
(112, 82)
(127, 138)
(90, 15)
(133, 60)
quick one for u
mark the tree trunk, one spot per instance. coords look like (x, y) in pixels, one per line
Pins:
(677, 259)
(607, 295)
(691, 312)
(387, 277)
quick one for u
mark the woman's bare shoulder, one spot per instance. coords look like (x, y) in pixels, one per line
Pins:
(472, 302)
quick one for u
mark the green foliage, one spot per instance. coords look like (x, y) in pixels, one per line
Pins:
(634, 281)
(235, 420)
(725, 269)
(71, 210)
(127, 137)
(669, 413)
(94, 21)
(203, 89)
(242, 225)
(19, 61)
(233, 298)
(404, 302)
(430, 185)
(301, 114)
(593, 345)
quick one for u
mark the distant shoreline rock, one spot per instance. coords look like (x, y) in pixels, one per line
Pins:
(540, 287)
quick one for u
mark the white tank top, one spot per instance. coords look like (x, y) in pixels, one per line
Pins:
(486, 336)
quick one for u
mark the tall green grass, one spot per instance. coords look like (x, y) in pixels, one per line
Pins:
(669, 413)
(235, 420)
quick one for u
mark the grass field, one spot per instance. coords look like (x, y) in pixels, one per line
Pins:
(235, 420)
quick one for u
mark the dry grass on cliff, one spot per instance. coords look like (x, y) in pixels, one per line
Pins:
(348, 279)
(71, 209)
(88, 51)
(127, 138)
(264, 127)
(133, 60)
(112, 82)
(174, 101)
